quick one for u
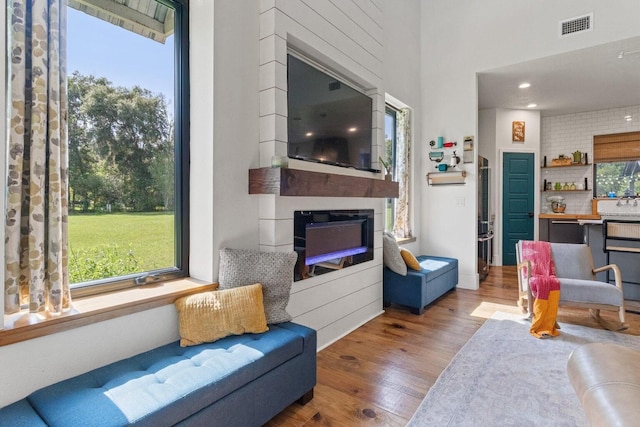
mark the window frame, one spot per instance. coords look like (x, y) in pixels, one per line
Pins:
(597, 191)
(182, 171)
(390, 110)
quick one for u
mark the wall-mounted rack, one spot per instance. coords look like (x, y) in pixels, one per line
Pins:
(446, 178)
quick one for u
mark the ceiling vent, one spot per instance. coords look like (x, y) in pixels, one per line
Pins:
(576, 25)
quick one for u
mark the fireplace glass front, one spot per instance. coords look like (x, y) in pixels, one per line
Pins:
(331, 240)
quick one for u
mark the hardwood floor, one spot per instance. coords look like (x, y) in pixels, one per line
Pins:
(379, 374)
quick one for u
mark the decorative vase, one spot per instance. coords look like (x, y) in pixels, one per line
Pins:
(577, 157)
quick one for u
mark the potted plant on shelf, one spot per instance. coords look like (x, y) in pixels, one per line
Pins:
(387, 168)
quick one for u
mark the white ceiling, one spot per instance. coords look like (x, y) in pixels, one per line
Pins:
(583, 80)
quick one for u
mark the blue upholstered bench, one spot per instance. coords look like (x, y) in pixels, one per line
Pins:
(240, 380)
(420, 288)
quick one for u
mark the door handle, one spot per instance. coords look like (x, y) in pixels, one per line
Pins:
(530, 214)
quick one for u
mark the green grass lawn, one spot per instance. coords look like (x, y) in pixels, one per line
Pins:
(110, 237)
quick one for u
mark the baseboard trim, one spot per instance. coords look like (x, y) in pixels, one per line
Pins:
(351, 330)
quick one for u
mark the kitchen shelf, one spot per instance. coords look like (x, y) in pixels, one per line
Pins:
(446, 178)
(572, 165)
(563, 191)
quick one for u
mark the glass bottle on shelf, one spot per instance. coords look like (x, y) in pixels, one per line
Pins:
(565, 186)
(557, 186)
(572, 186)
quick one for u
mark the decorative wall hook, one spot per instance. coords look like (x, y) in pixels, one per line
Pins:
(453, 162)
(436, 156)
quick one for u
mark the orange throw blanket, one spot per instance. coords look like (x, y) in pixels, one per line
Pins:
(545, 287)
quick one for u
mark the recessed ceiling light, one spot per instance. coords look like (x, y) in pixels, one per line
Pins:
(524, 85)
(309, 134)
(532, 105)
(628, 118)
(353, 129)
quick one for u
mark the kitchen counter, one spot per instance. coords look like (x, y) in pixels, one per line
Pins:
(568, 216)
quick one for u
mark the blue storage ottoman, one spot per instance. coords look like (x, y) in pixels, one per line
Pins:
(420, 288)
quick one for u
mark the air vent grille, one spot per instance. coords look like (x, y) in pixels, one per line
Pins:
(576, 25)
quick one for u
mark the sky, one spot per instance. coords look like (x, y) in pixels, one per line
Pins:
(126, 59)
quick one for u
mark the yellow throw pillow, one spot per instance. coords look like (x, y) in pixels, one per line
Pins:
(209, 316)
(409, 259)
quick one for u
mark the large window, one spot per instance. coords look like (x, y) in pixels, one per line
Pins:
(390, 144)
(128, 142)
(617, 179)
(397, 157)
(617, 164)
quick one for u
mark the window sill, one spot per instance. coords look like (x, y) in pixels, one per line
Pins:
(405, 240)
(96, 308)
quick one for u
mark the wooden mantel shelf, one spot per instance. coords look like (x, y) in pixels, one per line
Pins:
(296, 182)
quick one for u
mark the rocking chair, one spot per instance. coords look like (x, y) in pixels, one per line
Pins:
(578, 284)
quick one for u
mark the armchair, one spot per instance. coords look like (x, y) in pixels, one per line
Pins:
(578, 284)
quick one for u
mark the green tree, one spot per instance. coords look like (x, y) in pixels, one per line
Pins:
(609, 177)
(118, 140)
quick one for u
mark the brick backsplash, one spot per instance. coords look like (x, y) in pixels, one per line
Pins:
(568, 133)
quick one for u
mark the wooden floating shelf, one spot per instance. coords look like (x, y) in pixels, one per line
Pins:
(564, 191)
(446, 178)
(301, 183)
(569, 165)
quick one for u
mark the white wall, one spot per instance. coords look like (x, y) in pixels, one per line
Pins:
(227, 136)
(574, 132)
(401, 75)
(462, 38)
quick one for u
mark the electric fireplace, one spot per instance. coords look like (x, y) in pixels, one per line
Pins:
(331, 240)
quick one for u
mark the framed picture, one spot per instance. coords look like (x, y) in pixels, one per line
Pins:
(517, 131)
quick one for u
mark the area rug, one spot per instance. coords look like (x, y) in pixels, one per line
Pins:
(503, 376)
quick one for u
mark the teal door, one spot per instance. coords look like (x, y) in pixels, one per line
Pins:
(517, 203)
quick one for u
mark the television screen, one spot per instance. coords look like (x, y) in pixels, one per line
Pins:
(328, 121)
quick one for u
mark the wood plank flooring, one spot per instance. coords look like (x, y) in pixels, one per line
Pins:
(379, 374)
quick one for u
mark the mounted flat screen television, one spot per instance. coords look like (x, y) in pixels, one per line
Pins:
(328, 120)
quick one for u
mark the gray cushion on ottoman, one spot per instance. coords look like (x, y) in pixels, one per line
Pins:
(391, 256)
(274, 270)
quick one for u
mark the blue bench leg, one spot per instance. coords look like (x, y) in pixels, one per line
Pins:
(417, 311)
(305, 398)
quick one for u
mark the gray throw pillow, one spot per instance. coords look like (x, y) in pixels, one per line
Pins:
(391, 255)
(274, 270)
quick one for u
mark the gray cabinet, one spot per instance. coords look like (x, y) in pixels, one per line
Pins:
(561, 231)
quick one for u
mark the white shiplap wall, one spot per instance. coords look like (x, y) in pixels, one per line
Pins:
(574, 132)
(345, 37)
